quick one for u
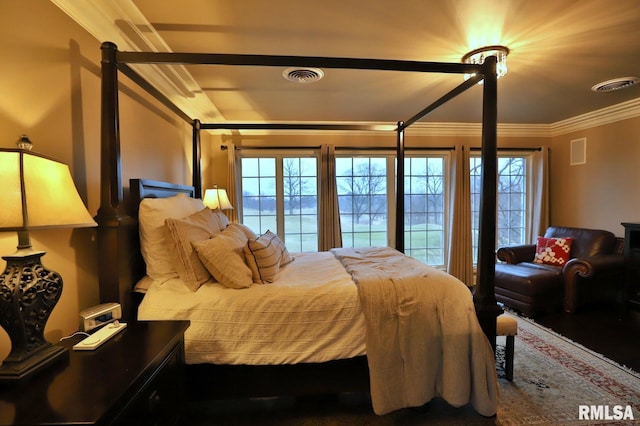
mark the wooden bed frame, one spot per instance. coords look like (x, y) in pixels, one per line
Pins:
(120, 261)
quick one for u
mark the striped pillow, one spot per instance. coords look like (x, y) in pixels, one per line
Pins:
(223, 257)
(265, 255)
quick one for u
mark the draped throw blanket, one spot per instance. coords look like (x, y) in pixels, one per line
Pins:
(423, 338)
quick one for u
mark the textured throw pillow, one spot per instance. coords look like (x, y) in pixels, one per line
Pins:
(265, 255)
(222, 218)
(244, 229)
(153, 236)
(553, 251)
(223, 256)
(199, 226)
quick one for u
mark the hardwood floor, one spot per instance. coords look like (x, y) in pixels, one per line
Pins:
(606, 331)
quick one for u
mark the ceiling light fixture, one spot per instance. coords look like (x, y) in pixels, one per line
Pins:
(303, 75)
(477, 56)
(615, 84)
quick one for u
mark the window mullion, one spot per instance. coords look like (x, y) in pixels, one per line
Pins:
(280, 196)
(392, 171)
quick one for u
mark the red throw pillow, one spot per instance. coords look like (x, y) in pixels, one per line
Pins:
(553, 251)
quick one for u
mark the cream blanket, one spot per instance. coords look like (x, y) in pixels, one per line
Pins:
(423, 338)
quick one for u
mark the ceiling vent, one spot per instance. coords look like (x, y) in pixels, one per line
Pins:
(303, 75)
(615, 84)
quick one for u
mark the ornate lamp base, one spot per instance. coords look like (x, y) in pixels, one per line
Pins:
(10, 371)
(28, 294)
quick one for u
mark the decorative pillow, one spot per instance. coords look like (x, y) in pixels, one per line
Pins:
(245, 230)
(222, 218)
(199, 226)
(553, 251)
(265, 255)
(153, 236)
(223, 257)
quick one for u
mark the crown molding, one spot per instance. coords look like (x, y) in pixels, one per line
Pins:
(600, 117)
(122, 23)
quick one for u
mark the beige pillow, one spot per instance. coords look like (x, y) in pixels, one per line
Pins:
(285, 257)
(153, 236)
(222, 218)
(199, 226)
(265, 256)
(223, 257)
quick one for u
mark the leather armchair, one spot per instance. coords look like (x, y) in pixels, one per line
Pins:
(593, 275)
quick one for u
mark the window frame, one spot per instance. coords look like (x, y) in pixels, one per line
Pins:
(279, 155)
(527, 155)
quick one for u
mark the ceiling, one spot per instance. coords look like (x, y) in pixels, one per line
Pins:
(559, 49)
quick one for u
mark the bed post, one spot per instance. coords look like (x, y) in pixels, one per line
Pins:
(114, 225)
(484, 298)
(400, 188)
(197, 157)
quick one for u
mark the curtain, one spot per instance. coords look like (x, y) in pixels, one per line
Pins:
(460, 259)
(539, 220)
(232, 183)
(330, 233)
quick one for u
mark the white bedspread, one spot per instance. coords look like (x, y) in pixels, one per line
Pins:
(310, 314)
(423, 337)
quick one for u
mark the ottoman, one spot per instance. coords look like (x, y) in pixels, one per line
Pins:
(529, 288)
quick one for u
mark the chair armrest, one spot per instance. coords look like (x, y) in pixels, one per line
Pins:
(517, 254)
(589, 266)
(586, 268)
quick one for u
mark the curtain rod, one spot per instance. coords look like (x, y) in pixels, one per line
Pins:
(377, 148)
(511, 149)
(343, 148)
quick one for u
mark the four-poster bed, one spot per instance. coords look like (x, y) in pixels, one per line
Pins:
(122, 266)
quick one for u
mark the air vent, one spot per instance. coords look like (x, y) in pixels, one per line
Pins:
(615, 84)
(303, 75)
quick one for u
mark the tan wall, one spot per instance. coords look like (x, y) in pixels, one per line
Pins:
(605, 190)
(50, 90)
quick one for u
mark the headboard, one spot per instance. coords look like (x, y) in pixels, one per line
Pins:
(125, 262)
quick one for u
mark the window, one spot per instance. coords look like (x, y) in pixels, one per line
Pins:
(366, 194)
(362, 184)
(513, 184)
(425, 208)
(280, 193)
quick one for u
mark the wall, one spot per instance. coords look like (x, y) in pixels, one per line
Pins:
(50, 86)
(604, 191)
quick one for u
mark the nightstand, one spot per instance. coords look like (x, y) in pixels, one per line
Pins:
(135, 378)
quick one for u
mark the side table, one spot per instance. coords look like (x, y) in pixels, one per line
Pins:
(134, 378)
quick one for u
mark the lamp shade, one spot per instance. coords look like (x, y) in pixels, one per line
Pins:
(38, 192)
(217, 199)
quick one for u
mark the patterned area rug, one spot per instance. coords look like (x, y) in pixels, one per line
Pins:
(553, 378)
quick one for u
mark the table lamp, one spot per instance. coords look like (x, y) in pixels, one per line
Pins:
(38, 193)
(215, 198)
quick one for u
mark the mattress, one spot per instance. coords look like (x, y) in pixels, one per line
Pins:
(311, 313)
